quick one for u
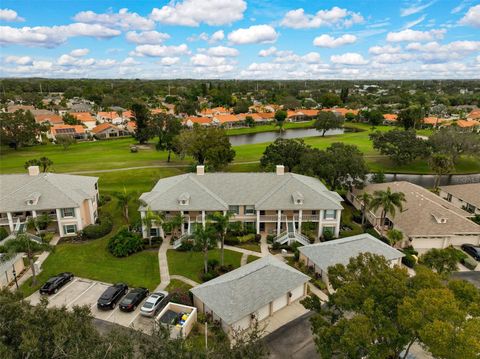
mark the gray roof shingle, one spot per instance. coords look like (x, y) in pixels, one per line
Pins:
(339, 251)
(468, 192)
(245, 290)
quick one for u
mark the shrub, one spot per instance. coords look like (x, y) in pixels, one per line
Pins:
(47, 237)
(208, 276)
(179, 296)
(258, 237)
(156, 241)
(212, 264)
(409, 260)
(270, 238)
(373, 232)
(125, 243)
(469, 262)
(247, 238)
(94, 231)
(327, 235)
(409, 250)
(186, 246)
(357, 216)
(3, 233)
(231, 240)
(104, 199)
(276, 245)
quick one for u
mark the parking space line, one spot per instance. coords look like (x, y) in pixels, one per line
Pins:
(85, 291)
(117, 309)
(62, 289)
(134, 318)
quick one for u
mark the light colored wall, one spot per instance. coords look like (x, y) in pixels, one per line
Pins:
(457, 202)
(6, 276)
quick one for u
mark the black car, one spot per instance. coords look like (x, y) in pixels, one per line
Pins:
(111, 296)
(55, 283)
(130, 302)
(474, 251)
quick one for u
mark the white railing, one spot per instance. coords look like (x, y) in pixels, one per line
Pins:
(268, 218)
(177, 243)
(310, 217)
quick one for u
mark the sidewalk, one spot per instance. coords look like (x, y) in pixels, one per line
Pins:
(163, 264)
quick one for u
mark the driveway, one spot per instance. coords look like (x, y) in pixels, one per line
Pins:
(85, 292)
(471, 276)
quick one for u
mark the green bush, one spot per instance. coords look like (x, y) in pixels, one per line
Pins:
(373, 232)
(327, 235)
(247, 238)
(270, 238)
(410, 250)
(186, 246)
(3, 233)
(125, 243)
(94, 231)
(469, 262)
(409, 260)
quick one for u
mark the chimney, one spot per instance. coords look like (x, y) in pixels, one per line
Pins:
(200, 170)
(33, 170)
(280, 170)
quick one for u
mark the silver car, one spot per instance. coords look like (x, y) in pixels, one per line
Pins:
(153, 303)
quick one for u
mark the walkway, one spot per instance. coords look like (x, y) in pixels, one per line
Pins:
(264, 245)
(163, 263)
(323, 297)
(184, 279)
(245, 251)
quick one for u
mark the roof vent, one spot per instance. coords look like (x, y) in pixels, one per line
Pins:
(184, 199)
(280, 170)
(32, 199)
(33, 170)
(297, 197)
(200, 170)
(439, 218)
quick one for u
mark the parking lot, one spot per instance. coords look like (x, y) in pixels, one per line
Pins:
(82, 292)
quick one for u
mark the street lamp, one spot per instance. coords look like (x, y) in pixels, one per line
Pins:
(14, 272)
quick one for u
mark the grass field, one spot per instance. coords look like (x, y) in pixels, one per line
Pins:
(190, 264)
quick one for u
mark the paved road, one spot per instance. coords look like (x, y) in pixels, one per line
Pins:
(293, 340)
(471, 276)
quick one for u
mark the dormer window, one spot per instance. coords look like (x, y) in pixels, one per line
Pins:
(32, 199)
(297, 198)
(439, 218)
(184, 199)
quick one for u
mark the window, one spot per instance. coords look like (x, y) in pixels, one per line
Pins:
(328, 229)
(234, 209)
(153, 232)
(70, 228)
(68, 212)
(330, 214)
(96, 185)
(249, 209)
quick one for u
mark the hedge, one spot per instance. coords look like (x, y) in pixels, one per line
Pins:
(124, 243)
(94, 231)
(3, 233)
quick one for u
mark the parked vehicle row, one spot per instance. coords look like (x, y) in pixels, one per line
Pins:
(117, 294)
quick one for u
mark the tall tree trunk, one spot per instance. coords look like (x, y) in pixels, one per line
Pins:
(363, 215)
(408, 348)
(382, 222)
(323, 133)
(126, 213)
(437, 181)
(34, 275)
(221, 250)
(205, 259)
(169, 155)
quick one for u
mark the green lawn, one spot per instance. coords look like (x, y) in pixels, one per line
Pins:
(252, 258)
(250, 246)
(190, 264)
(178, 284)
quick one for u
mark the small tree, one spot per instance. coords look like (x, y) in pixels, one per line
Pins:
(221, 223)
(443, 261)
(65, 141)
(365, 199)
(33, 162)
(204, 239)
(441, 164)
(249, 121)
(123, 200)
(327, 120)
(23, 244)
(388, 201)
(394, 236)
(280, 117)
(175, 223)
(45, 163)
(150, 218)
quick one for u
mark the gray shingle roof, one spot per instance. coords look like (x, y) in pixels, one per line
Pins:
(216, 191)
(245, 290)
(469, 192)
(339, 251)
(56, 191)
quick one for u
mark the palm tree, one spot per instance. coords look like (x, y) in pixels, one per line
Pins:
(45, 163)
(175, 223)
(365, 200)
(388, 201)
(395, 236)
(204, 238)
(23, 244)
(440, 164)
(150, 218)
(123, 200)
(39, 223)
(221, 223)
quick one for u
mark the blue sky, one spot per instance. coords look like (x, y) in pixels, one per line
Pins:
(259, 39)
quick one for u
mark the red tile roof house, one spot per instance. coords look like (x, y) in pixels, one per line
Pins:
(194, 120)
(226, 120)
(86, 118)
(131, 126)
(469, 124)
(76, 131)
(211, 112)
(390, 119)
(107, 130)
(52, 119)
(301, 115)
(434, 121)
(474, 115)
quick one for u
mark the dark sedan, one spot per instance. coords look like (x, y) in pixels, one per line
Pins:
(474, 251)
(112, 296)
(130, 302)
(54, 284)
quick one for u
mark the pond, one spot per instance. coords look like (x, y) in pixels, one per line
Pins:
(262, 137)
(428, 180)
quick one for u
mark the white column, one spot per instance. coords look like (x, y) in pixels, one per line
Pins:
(279, 220)
(91, 210)
(320, 220)
(183, 225)
(59, 222)
(189, 229)
(144, 227)
(78, 216)
(258, 222)
(34, 214)
(337, 226)
(300, 215)
(10, 221)
(203, 219)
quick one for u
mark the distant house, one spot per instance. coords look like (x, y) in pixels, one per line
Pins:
(131, 126)
(468, 124)
(301, 115)
(111, 117)
(390, 118)
(74, 131)
(464, 196)
(211, 112)
(340, 111)
(323, 255)
(50, 118)
(434, 121)
(474, 115)
(14, 108)
(225, 120)
(202, 121)
(80, 107)
(426, 221)
(86, 119)
(70, 201)
(107, 130)
(255, 291)
(266, 116)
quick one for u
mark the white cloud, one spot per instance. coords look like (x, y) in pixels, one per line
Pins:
(67, 60)
(169, 61)
(267, 52)
(10, 15)
(298, 19)
(414, 35)
(159, 50)
(79, 52)
(460, 6)
(311, 57)
(435, 52)
(413, 23)
(146, 37)
(129, 61)
(414, 9)
(349, 58)
(19, 60)
(478, 58)
(195, 12)
(205, 60)
(256, 34)
(472, 17)
(45, 36)
(123, 19)
(217, 36)
(387, 49)
(222, 51)
(331, 42)
(392, 58)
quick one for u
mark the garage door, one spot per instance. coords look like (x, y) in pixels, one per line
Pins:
(297, 293)
(279, 303)
(242, 323)
(264, 312)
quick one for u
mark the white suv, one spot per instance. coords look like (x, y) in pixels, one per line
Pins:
(153, 302)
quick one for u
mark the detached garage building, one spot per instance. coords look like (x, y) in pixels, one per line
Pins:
(254, 291)
(320, 256)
